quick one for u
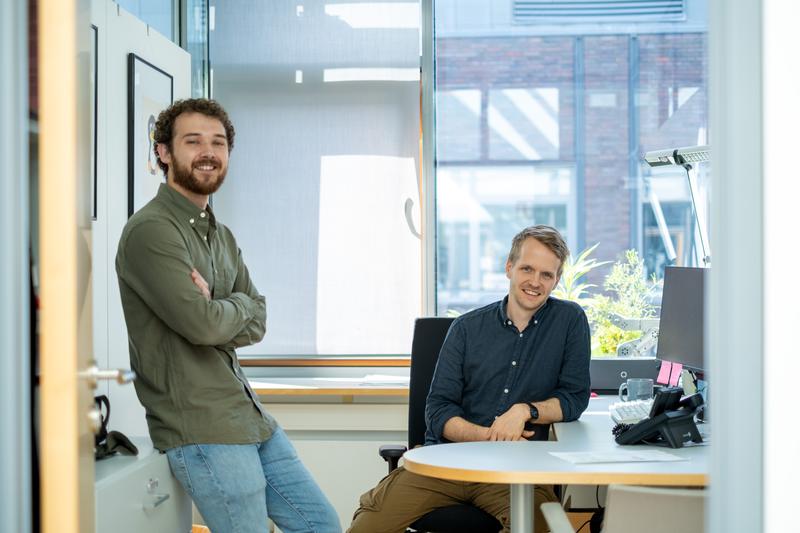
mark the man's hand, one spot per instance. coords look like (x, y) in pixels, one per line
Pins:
(201, 283)
(511, 424)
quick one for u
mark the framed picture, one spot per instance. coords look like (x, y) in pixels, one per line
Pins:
(149, 93)
(93, 119)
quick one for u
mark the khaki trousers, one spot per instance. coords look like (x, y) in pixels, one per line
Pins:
(402, 497)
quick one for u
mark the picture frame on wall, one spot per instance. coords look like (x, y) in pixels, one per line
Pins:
(150, 91)
(93, 110)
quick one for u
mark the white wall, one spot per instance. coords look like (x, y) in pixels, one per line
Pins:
(339, 444)
(781, 255)
(120, 33)
(755, 79)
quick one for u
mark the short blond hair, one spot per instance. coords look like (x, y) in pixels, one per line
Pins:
(547, 235)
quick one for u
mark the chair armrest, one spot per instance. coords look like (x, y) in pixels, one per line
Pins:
(556, 518)
(392, 453)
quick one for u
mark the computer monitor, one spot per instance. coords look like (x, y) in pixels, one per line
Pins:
(682, 325)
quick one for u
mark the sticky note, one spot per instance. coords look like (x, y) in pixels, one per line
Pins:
(664, 373)
(675, 374)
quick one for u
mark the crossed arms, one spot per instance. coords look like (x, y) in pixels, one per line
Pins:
(508, 426)
(157, 265)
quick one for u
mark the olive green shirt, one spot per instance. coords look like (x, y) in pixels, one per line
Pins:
(182, 345)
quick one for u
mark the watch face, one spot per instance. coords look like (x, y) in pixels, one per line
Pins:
(534, 412)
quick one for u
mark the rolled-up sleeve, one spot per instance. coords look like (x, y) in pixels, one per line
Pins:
(445, 395)
(573, 388)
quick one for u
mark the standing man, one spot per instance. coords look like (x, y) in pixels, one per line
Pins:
(189, 303)
(524, 359)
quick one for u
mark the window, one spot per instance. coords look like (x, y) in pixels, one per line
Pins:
(545, 121)
(323, 188)
(536, 121)
(156, 13)
(199, 19)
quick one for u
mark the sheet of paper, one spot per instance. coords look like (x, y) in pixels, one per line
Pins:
(617, 456)
(269, 385)
(371, 380)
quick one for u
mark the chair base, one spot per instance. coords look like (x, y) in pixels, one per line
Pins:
(457, 519)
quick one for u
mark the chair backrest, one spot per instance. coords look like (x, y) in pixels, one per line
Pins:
(429, 335)
(655, 510)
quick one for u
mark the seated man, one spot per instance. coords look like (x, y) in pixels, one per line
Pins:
(524, 359)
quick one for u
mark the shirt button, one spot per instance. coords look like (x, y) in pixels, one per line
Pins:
(535, 322)
(495, 417)
(191, 221)
(520, 334)
(508, 323)
(206, 238)
(505, 391)
(203, 215)
(513, 363)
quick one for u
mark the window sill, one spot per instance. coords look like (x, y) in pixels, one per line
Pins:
(354, 361)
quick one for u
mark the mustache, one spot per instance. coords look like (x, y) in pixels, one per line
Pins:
(207, 161)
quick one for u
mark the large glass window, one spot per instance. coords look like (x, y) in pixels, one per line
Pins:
(156, 13)
(199, 21)
(544, 121)
(323, 188)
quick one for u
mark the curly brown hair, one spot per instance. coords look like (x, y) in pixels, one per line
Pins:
(165, 124)
(546, 235)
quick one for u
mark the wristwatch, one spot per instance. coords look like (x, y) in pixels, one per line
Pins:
(534, 411)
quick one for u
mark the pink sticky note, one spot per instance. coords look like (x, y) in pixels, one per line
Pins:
(675, 374)
(664, 373)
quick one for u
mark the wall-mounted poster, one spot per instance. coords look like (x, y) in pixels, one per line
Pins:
(93, 112)
(149, 93)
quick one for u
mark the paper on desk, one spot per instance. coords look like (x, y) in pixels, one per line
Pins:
(626, 456)
(272, 385)
(372, 380)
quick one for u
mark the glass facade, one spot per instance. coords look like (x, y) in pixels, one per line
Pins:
(156, 13)
(323, 189)
(547, 123)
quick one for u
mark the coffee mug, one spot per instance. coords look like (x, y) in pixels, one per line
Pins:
(636, 389)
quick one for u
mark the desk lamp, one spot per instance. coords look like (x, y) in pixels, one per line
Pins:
(684, 157)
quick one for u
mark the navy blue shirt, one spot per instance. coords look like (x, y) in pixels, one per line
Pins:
(486, 365)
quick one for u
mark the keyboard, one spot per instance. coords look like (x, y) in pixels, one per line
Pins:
(630, 412)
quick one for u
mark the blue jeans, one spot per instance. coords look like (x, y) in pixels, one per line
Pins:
(237, 486)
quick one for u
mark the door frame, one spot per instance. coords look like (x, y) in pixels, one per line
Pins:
(67, 442)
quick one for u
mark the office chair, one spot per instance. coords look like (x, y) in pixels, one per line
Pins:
(632, 509)
(429, 334)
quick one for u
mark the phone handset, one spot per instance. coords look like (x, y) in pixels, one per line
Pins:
(671, 421)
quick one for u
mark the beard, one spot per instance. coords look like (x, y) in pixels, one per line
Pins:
(184, 176)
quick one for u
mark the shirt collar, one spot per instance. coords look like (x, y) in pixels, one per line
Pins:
(503, 314)
(184, 209)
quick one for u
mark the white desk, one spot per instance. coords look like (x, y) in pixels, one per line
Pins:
(523, 464)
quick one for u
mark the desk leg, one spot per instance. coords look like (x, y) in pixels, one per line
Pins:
(521, 508)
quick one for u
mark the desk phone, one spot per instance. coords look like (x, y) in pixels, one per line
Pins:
(670, 423)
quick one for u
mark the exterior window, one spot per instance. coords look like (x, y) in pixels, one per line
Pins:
(544, 119)
(323, 188)
(156, 13)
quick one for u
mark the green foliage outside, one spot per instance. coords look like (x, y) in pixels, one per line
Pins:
(570, 286)
(628, 295)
